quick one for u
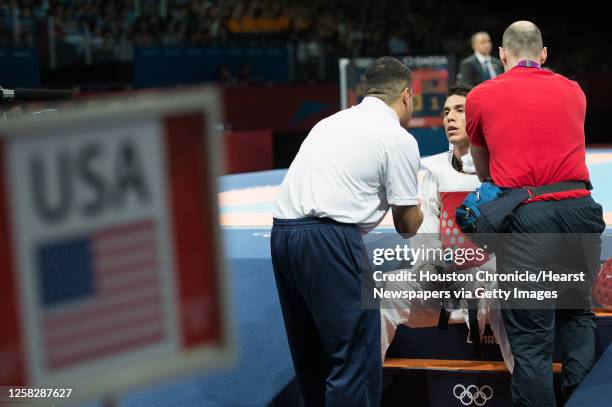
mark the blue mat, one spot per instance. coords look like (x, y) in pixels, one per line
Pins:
(251, 180)
(596, 389)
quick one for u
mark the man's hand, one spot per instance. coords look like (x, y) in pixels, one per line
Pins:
(407, 219)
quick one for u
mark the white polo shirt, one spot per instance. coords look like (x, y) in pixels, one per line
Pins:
(352, 166)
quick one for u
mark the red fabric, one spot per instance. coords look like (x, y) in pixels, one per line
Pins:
(193, 217)
(450, 234)
(532, 122)
(602, 289)
(12, 352)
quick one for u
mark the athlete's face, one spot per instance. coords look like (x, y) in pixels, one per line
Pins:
(454, 120)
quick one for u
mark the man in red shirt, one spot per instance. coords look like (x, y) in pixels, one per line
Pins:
(526, 129)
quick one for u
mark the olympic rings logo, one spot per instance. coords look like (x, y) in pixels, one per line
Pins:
(472, 394)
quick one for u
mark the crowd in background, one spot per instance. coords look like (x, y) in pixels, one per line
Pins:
(340, 27)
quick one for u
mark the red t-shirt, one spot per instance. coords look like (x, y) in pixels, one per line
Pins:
(532, 122)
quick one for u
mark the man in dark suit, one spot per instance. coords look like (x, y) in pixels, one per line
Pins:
(479, 66)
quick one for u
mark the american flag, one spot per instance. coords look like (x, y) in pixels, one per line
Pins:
(100, 294)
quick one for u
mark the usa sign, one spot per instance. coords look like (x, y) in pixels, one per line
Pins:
(111, 265)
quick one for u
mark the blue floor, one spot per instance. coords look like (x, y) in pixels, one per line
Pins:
(596, 389)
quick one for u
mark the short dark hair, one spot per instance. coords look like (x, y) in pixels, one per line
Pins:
(459, 89)
(523, 38)
(386, 79)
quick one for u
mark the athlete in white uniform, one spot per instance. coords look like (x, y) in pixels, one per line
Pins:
(444, 181)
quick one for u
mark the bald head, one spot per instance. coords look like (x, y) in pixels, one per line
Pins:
(523, 39)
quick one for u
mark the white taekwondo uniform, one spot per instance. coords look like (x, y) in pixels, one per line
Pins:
(441, 190)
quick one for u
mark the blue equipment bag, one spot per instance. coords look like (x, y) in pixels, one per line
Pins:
(487, 209)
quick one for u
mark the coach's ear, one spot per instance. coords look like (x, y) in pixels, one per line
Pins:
(408, 104)
(407, 97)
(502, 57)
(543, 56)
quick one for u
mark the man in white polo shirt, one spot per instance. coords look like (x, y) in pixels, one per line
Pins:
(352, 167)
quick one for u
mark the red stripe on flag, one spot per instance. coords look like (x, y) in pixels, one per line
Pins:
(192, 213)
(113, 288)
(143, 264)
(85, 333)
(12, 357)
(66, 319)
(59, 363)
(117, 231)
(103, 250)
